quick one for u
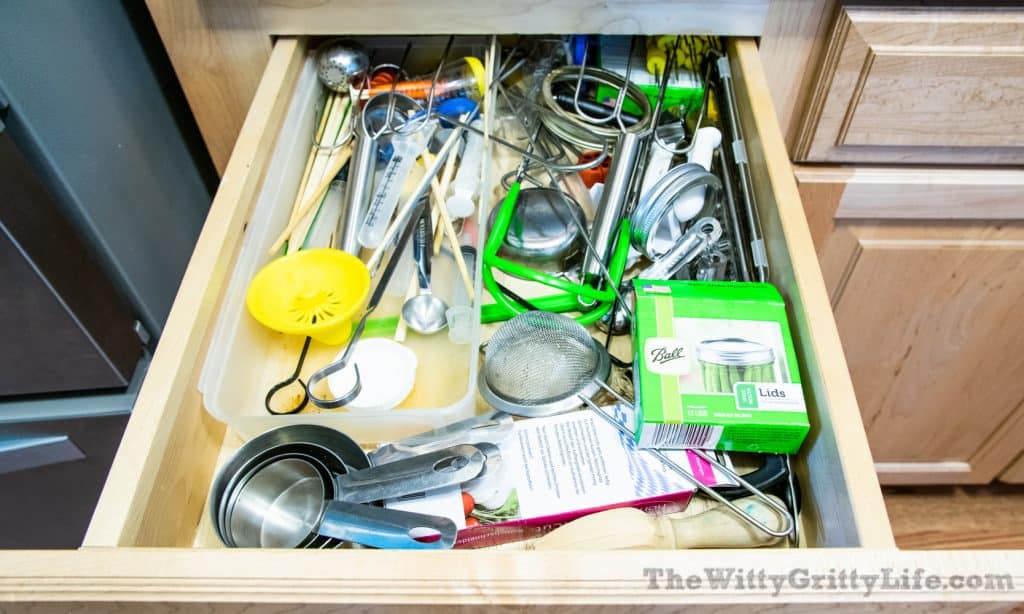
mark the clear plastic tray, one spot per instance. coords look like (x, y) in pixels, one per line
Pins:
(245, 359)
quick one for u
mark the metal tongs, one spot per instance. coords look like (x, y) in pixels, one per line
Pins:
(397, 236)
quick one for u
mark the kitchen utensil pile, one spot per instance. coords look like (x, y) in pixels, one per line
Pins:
(572, 167)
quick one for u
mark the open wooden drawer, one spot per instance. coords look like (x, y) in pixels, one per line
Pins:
(148, 539)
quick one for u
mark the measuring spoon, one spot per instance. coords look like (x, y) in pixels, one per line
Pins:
(425, 313)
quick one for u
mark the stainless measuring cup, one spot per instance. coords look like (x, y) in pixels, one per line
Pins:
(287, 502)
(279, 490)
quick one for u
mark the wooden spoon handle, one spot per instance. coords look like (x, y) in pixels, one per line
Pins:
(628, 529)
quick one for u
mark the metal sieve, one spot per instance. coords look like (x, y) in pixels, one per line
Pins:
(541, 363)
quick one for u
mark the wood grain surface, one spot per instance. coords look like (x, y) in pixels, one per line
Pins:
(794, 38)
(894, 192)
(957, 517)
(302, 17)
(926, 312)
(929, 320)
(220, 47)
(168, 416)
(219, 51)
(923, 85)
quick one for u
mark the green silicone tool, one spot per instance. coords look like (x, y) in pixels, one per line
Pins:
(571, 295)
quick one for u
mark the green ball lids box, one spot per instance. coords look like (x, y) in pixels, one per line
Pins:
(715, 368)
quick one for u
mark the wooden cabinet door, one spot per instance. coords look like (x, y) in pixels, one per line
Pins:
(919, 85)
(929, 312)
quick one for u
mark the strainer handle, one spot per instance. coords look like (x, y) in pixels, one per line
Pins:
(787, 518)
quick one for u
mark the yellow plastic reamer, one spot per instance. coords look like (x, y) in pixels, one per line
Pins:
(313, 292)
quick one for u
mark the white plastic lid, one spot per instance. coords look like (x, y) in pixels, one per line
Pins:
(387, 373)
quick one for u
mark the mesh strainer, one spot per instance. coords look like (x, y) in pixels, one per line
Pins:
(541, 363)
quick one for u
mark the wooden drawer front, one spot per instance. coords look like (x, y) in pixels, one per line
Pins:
(156, 494)
(927, 310)
(921, 85)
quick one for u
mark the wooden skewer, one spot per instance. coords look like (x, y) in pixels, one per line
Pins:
(450, 231)
(337, 122)
(340, 159)
(414, 287)
(446, 179)
(313, 150)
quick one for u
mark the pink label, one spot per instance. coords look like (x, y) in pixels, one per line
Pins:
(702, 470)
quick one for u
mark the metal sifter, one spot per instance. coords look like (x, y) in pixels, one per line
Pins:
(540, 363)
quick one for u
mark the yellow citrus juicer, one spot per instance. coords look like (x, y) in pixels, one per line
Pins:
(312, 292)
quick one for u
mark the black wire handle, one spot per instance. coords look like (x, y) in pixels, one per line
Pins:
(288, 382)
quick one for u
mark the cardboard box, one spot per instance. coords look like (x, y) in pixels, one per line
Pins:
(715, 368)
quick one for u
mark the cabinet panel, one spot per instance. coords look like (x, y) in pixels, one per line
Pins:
(930, 320)
(928, 311)
(919, 85)
(62, 323)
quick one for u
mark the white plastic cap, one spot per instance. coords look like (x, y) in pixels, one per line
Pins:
(460, 324)
(460, 205)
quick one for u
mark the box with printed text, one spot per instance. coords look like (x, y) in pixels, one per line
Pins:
(715, 368)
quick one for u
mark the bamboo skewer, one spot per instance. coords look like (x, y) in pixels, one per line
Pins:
(396, 224)
(336, 134)
(446, 179)
(450, 231)
(313, 151)
(340, 159)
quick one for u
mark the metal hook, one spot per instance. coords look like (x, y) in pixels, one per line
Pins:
(702, 112)
(437, 74)
(558, 168)
(620, 100)
(371, 305)
(347, 123)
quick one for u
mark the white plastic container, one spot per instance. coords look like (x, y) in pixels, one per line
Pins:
(246, 358)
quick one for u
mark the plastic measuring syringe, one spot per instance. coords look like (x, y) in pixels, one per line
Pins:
(467, 180)
(707, 140)
(408, 147)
